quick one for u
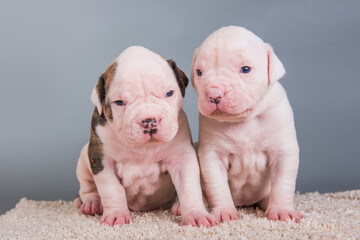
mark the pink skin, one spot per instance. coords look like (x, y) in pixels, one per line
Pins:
(143, 172)
(248, 151)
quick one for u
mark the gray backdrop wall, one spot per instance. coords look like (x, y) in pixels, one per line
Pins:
(52, 53)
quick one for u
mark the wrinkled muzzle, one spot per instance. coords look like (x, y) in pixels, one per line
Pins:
(150, 122)
(221, 96)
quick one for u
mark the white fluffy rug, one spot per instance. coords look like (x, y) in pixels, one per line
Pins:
(327, 216)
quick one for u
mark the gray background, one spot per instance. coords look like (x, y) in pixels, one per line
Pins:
(52, 53)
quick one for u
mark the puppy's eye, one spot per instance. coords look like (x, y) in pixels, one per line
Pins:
(245, 69)
(169, 93)
(199, 72)
(119, 103)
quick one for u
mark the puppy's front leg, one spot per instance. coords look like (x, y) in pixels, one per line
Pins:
(113, 198)
(280, 204)
(215, 175)
(185, 174)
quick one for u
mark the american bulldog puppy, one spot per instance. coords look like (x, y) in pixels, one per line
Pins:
(248, 151)
(140, 155)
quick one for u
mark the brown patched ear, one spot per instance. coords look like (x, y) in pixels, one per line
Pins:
(98, 94)
(100, 90)
(181, 78)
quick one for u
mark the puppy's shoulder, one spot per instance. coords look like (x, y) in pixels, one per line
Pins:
(276, 105)
(183, 136)
(276, 94)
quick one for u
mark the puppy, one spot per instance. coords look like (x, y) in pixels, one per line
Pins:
(140, 154)
(248, 150)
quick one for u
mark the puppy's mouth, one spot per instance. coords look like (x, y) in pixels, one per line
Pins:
(150, 131)
(226, 115)
(146, 140)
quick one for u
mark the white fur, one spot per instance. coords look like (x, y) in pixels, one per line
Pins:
(248, 150)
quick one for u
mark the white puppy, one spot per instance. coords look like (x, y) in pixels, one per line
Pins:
(140, 152)
(248, 150)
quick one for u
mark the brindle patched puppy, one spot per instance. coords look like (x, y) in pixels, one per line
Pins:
(140, 152)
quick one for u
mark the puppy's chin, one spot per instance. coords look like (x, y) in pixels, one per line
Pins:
(223, 116)
(151, 141)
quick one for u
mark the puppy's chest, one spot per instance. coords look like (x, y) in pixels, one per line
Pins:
(147, 172)
(247, 149)
(141, 166)
(249, 135)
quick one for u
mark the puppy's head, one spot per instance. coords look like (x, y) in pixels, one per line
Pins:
(140, 95)
(231, 72)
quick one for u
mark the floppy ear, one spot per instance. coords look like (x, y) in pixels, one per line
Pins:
(192, 67)
(181, 78)
(276, 69)
(98, 94)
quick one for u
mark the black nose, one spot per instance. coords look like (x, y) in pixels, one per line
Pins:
(149, 122)
(215, 100)
(149, 125)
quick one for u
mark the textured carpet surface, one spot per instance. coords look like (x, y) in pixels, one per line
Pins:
(327, 216)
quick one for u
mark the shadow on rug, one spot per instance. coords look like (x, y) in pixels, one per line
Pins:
(326, 216)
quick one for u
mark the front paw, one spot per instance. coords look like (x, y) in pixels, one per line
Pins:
(225, 214)
(113, 217)
(276, 213)
(91, 207)
(197, 219)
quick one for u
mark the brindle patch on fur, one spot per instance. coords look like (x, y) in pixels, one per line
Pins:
(181, 78)
(95, 151)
